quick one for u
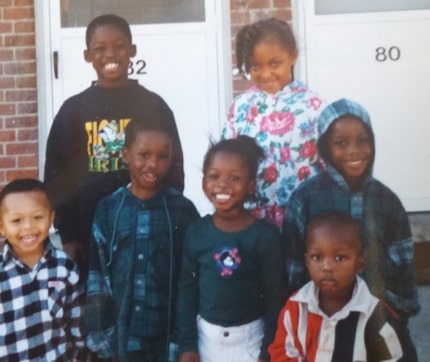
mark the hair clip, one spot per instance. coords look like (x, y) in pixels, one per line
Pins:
(235, 72)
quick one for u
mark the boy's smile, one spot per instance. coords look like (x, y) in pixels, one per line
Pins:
(350, 149)
(25, 221)
(110, 51)
(148, 158)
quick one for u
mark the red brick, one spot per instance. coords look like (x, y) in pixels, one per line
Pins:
(7, 136)
(21, 148)
(21, 95)
(18, 13)
(237, 4)
(259, 4)
(261, 14)
(234, 30)
(4, 3)
(282, 3)
(26, 82)
(7, 109)
(15, 174)
(26, 108)
(24, 27)
(7, 162)
(20, 68)
(240, 84)
(24, 2)
(19, 40)
(27, 135)
(5, 27)
(25, 53)
(6, 54)
(28, 161)
(239, 17)
(284, 14)
(21, 122)
(7, 82)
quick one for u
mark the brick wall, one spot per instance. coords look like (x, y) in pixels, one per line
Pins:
(18, 94)
(243, 12)
(18, 97)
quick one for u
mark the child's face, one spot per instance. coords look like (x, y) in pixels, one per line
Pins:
(25, 219)
(110, 51)
(226, 181)
(271, 66)
(350, 149)
(149, 159)
(333, 258)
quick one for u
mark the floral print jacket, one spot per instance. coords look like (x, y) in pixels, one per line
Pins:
(284, 125)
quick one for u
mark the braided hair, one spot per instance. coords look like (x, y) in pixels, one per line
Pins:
(250, 35)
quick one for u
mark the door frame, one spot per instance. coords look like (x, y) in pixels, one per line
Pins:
(44, 50)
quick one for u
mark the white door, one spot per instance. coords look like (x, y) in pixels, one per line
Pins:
(377, 53)
(181, 49)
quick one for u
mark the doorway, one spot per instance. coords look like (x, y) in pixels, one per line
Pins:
(183, 54)
(374, 52)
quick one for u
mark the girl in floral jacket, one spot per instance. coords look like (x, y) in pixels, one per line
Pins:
(278, 112)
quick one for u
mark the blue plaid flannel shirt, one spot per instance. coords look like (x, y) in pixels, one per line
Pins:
(130, 275)
(388, 242)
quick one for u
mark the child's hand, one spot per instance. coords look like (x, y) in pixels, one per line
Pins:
(189, 357)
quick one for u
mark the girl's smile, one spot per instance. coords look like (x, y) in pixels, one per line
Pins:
(271, 66)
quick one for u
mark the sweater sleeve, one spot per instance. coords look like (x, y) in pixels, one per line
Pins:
(61, 172)
(386, 337)
(175, 176)
(100, 313)
(396, 257)
(229, 128)
(187, 306)
(293, 230)
(273, 287)
(73, 308)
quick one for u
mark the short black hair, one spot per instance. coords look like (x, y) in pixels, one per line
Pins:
(24, 185)
(243, 146)
(336, 220)
(107, 19)
(145, 124)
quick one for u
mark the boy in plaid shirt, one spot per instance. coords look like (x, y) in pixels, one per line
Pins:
(347, 146)
(138, 233)
(40, 298)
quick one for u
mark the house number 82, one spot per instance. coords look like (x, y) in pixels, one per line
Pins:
(137, 67)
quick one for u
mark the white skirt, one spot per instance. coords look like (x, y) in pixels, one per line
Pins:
(229, 344)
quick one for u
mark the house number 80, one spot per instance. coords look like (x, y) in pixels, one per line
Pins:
(383, 54)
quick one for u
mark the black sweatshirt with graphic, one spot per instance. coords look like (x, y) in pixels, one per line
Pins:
(83, 153)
